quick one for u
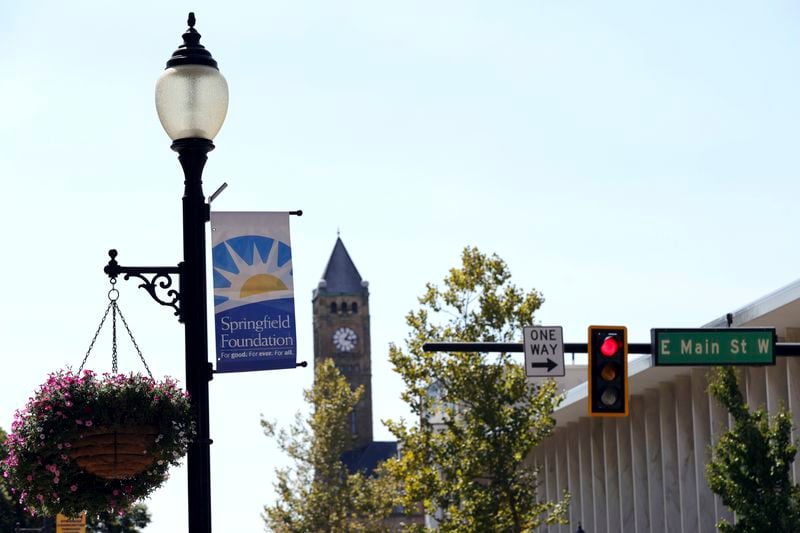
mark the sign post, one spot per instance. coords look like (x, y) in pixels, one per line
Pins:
(544, 351)
(713, 346)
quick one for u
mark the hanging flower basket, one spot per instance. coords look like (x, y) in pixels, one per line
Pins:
(88, 442)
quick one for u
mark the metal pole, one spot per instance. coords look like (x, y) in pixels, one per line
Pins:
(192, 154)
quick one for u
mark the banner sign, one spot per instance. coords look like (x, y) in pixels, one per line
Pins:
(253, 291)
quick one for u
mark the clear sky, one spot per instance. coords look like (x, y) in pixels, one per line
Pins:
(636, 162)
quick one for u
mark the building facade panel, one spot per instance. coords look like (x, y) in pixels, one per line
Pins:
(562, 469)
(587, 476)
(574, 468)
(625, 464)
(669, 458)
(701, 433)
(611, 464)
(598, 472)
(686, 465)
(777, 386)
(638, 447)
(655, 469)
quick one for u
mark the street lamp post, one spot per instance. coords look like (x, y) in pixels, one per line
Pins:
(191, 100)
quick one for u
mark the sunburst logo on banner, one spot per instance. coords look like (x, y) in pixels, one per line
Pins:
(251, 269)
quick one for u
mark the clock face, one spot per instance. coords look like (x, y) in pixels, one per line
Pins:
(344, 339)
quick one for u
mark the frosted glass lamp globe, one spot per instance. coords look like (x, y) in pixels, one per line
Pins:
(192, 101)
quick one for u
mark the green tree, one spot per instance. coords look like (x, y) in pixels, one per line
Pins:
(11, 512)
(137, 518)
(465, 458)
(317, 493)
(7, 508)
(751, 463)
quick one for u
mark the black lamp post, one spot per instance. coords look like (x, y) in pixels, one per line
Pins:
(192, 100)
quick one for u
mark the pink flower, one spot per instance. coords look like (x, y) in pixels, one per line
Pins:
(73, 488)
(88, 423)
(79, 422)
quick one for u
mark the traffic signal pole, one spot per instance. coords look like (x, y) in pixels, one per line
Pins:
(608, 351)
(511, 347)
(782, 349)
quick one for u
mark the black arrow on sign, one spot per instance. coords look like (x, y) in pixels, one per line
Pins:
(549, 365)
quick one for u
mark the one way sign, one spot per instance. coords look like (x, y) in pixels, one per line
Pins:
(544, 351)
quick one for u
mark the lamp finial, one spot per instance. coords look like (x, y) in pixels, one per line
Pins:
(191, 52)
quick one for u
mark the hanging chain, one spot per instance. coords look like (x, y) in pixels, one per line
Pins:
(135, 345)
(96, 333)
(114, 309)
(113, 296)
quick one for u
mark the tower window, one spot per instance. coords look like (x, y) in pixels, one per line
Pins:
(333, 307)
(354, 308)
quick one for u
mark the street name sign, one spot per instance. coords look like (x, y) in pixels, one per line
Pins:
(713, 346)
(544, 351)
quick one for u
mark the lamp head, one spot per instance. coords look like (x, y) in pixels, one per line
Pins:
(191, 94)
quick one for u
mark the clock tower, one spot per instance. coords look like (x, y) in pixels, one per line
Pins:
(341, 332)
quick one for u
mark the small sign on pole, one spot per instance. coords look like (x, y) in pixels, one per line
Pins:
(544, 351)
(65, 524)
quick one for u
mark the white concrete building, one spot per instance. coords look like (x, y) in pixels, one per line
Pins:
(645, 473)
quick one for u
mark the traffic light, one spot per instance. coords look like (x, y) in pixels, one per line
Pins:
(608, 371)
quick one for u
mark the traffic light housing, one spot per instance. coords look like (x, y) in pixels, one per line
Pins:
(608, 371)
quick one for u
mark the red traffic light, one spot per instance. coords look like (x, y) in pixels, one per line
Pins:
(610, 346)
(608, 371)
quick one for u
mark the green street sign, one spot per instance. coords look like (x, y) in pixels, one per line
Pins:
(713, 346)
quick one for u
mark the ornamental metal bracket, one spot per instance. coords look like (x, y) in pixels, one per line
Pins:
(161, 279)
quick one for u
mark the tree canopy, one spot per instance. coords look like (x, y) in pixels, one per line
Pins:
(751, 464)
(11, 512)
(133, 521)
(466, 456)
(317, 493)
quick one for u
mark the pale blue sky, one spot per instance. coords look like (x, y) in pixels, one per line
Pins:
(647, 147)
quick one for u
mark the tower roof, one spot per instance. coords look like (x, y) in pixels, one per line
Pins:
(341, 275)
